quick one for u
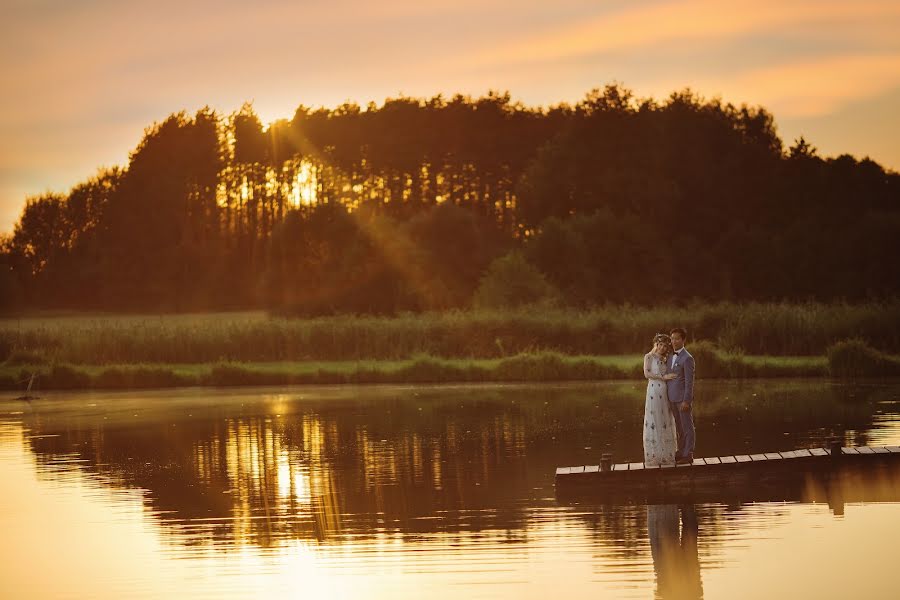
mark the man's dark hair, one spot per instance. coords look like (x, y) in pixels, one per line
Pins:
(680, 332)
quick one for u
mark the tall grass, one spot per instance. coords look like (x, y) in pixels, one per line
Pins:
(785, 329)
(767, 329)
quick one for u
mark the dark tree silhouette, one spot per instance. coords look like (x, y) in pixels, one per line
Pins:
(404, 206)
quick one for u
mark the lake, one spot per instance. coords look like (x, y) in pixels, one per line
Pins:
(422, 491)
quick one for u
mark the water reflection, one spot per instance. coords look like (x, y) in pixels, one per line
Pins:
(259, 469)
(456, 483)
(674, 550)
(317, 474)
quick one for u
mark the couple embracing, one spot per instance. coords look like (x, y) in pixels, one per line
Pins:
(668, 418)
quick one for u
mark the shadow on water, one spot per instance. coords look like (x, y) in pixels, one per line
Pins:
(262, 467)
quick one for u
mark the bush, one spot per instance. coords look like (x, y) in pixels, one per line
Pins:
(711, 362)
(140, 377)
(510, 282)
(66, 377)
(544, 366)
(855, 358)
(553, 366)
(227, 374)
(426, 369)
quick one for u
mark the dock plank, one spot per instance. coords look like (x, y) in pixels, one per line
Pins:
(595, 475)
(736, 481)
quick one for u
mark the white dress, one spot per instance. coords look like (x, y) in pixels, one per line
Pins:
(660, 436)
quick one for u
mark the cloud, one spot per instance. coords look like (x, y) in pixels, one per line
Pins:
(795, 58)
(813, 88)
(700, 22)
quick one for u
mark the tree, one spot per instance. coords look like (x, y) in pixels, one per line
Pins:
(511, 282)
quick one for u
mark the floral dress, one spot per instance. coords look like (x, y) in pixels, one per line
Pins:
(660, 436)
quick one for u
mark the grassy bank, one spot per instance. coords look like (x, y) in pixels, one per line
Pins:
(729, 341)
(752, 329)
(536, 367)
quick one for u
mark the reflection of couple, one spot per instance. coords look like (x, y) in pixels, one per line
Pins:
(668, 420)
(675, 557)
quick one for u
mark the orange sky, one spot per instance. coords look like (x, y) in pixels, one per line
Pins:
(83, 79)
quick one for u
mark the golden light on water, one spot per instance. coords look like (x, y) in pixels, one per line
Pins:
(240, 494)
(105, 543)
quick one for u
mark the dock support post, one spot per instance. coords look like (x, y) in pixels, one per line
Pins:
(835, 448)
(606, 461)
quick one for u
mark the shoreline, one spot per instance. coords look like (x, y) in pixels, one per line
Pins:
(521, 368)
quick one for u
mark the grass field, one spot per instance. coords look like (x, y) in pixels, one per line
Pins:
(248, 348)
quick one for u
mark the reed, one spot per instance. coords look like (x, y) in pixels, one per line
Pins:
(753, 329)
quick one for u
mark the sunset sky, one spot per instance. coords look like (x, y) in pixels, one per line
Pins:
(82, 79)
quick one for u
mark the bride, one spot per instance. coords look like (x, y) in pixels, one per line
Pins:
(660, 437)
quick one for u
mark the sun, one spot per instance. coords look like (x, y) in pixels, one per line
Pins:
(303, 190)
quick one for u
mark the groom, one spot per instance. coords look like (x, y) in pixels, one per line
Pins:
(681, 395)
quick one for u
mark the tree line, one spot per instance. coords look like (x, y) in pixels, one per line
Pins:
(429, 204)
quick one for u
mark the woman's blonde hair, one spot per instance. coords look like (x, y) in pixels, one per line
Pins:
(667, 342)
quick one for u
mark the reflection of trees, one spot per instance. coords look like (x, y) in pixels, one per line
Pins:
(317, 475)
(424, 460)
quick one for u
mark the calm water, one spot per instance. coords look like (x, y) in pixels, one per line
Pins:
(411, 492)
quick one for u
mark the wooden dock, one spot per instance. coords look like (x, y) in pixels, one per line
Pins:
(765, 476)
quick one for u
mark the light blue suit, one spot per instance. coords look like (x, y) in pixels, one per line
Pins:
(681, 389)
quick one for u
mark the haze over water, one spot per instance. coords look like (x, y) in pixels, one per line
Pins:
(411, 491)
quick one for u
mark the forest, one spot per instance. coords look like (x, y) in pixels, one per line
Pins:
(446, 203)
